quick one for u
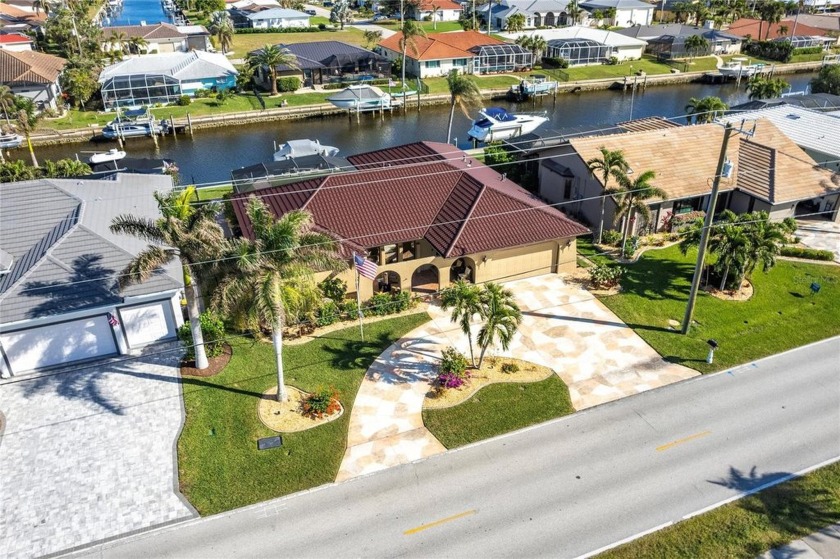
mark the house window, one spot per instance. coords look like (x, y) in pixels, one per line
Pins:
(389, 254)
(373, 255)
(409, 251)
(433, 64)
(686, 206)
(459, 62)
(567, 189)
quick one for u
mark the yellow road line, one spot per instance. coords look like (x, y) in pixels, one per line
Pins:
(438, 522)
(683, 440)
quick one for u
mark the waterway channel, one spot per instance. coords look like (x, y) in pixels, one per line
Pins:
(211, 154)
(135, 12)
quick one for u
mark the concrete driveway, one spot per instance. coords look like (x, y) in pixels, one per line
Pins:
(89, 454)
(822, 235)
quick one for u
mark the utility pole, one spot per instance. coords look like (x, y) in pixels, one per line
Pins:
(704, 236)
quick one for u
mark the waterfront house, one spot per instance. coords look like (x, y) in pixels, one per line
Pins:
(770, 173)
(163, 78)
(429, 214)
(537, 13)
(821, 102)
(59, 299)
(275, 18)
(668, 41)
(586, 45)
(160, 38)
(434, 10)
(626, 12)
(470, 52)
(762, 30)
(322, 62)
(32, 74)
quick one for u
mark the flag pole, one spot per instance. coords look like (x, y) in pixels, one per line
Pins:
(359, 299)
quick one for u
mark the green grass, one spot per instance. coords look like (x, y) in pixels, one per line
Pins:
(428, 26)
(497, 409)
(782, 314)
(219, 465)
(213, 192)
(587, 249)
(500, 81)
(748, 527)
(243, 43)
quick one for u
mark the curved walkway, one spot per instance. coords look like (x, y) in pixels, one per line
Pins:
(564, 327)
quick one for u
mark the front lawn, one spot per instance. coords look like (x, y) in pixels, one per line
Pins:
(782, 314)
(243, 43)
(213, 192)
(219, 465)
(497, 409)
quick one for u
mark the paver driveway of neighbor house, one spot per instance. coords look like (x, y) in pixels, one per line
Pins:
(89, 454)
(563, 327)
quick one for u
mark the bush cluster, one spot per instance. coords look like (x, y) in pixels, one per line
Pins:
(773, 50)
(342, 85)
(382, 304)
(610, 237)
(183, 100)
(288, 84)
(674, 223)
(510, 368)
(452, 369)
(809, 253)
(605, 277)
(631, 246)
(323, 402)
(212, 330)
(250, 30)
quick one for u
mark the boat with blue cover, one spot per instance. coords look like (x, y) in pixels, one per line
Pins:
(496, 123)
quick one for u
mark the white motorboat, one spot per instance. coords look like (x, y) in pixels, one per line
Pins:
(10, 140)
(363, 98)
(496, 123)
(739, 66)
(302, 148)
(113, 154)
(133, 122)
(534, 85)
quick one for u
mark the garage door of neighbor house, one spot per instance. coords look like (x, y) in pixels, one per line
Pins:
(520, 263)
(56, 344)
(148, 323)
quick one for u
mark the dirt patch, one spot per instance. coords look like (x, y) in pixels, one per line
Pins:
(217, 364)
(743, 294)
(490, 373)
(286, 417)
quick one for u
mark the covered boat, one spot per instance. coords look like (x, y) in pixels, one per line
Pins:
(302, 148)
(10, 140)
(496, 123)
(105, 157)
(362, 98)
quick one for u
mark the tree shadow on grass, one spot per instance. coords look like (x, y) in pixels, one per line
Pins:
(357, 354)
(657, 279)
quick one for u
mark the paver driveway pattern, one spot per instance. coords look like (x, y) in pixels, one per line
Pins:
(563, 327)
(821, 235)
(89, 454)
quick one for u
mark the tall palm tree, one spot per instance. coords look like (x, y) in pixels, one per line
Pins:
(137, 44)
(537, 46)
(464, 299)
(410, 31)
(633, 196)
(464, 93)
(7, 102)
(184, 231)
(770, 11)
(435, 7)
(271, 278)
(704, 110)
(26, 123)
(610, 160)
(501, 318)
(271, 56)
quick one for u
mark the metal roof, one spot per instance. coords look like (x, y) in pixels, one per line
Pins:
(278, 13)
(191, 65)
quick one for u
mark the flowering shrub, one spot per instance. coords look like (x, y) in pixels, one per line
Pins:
(453, 369)
(321, 403)
(679, 221)
(606, 276)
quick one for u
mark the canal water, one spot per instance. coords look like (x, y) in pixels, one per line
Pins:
(134, 12)
(210, 155)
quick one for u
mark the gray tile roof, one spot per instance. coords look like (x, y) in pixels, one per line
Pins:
(278, 13)
(617, 4)
(180, 65)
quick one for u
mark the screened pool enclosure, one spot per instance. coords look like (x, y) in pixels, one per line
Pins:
(140, 89)
(579, 51)
(501, 58)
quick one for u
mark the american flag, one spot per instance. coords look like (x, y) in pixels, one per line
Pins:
(364, 266)
(112, 320)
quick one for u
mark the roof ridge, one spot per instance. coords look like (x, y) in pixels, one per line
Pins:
(469, 213)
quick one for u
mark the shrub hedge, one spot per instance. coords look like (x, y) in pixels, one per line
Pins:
(809, 253)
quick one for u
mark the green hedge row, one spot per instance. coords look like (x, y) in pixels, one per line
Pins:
(252, 30)
(809, 253)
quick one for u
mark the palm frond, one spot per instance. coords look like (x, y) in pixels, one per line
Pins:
(145, 264)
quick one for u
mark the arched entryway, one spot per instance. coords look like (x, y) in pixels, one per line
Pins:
(537, 20)
(425, 279)
(549, 19)
(564, 19)
(387, 282)
(462, 269)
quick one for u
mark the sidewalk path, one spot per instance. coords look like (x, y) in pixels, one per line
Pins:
(564, 327)
(824, 544)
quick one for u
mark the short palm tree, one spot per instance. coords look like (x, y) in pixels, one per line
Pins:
(501, 318)
(537, 47)
(270, 279)
(184, 231)
(633, 196)
(411, 30)
(271, 56)
(766, 88)
(704, 110)
(221, 26)
(695, 44)
(610, 160)
(515, 23)
(118, 41)
(464, 93)
(464, 299)
(766, 239)
(731, 245)
(137, 45)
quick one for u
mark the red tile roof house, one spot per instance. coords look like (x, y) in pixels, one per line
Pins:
(435, 10)
(15, 42)
(429, 214)
(32, 74)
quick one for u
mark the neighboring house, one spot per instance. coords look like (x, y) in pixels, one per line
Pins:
(627, 12)
(537, 13)
(163, 78)
(746, 27)
(323, 61)
(470, 52)
(32, 74)
(23, 5)
(59, 300)
(434, 10)
(770, 173)
(668, 41)
(821, 102)
(586, 45)
(13, 19)
(818, 134)
(277, 18)
(160, 38)
(15, 42)
(429, 215)
(829, 22)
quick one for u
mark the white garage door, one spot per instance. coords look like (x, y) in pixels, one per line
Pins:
(145, 324)
(36, 348)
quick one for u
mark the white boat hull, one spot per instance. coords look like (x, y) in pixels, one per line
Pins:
(107, 157)
(504, 131)
(10, 141)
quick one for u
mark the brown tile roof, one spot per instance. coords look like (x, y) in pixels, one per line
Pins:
(768, 166)
(458, 205)
(649, 123)
(426, 5)
(439, 46)
(29, 67)
(15, 12)
(746, 26)
(148, 32)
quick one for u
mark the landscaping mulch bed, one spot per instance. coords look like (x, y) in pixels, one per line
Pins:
(287, 417)
(217, 364)
(743, 294)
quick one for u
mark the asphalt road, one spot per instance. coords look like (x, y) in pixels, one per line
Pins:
(561, 489)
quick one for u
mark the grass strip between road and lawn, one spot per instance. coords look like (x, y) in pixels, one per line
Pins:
(782, 313)
(219, 465)
(498, 409)
(750, 526)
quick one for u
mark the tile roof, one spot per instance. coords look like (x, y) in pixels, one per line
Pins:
(746, 26)
(407, 154)
(426, 5)
(278, 13)
(649, 123)
(29, 67)
(155, 31)
(457, 204)
(441, 46)
(612, 38)
(15, 12)
(191, 65)
(14, 39)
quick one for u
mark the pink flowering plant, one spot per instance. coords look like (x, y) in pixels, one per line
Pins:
(452, 371)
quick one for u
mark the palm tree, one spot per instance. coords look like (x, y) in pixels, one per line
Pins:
(184, 231)
(372, 37)
(705, 109)
(765, 240)
(7, 102)
(410, 31)
(609, 162)
(271, 278)
(137, 44)
(766, 88)
(537, 46)
(515, 23)
(26, 123)
(465, 301)
(770, 11)
(694, 44)
(435, 8)
(271, 56)
(119, 40)
(501, 318)
(731, 246)
(462, 92)
(633, 195)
